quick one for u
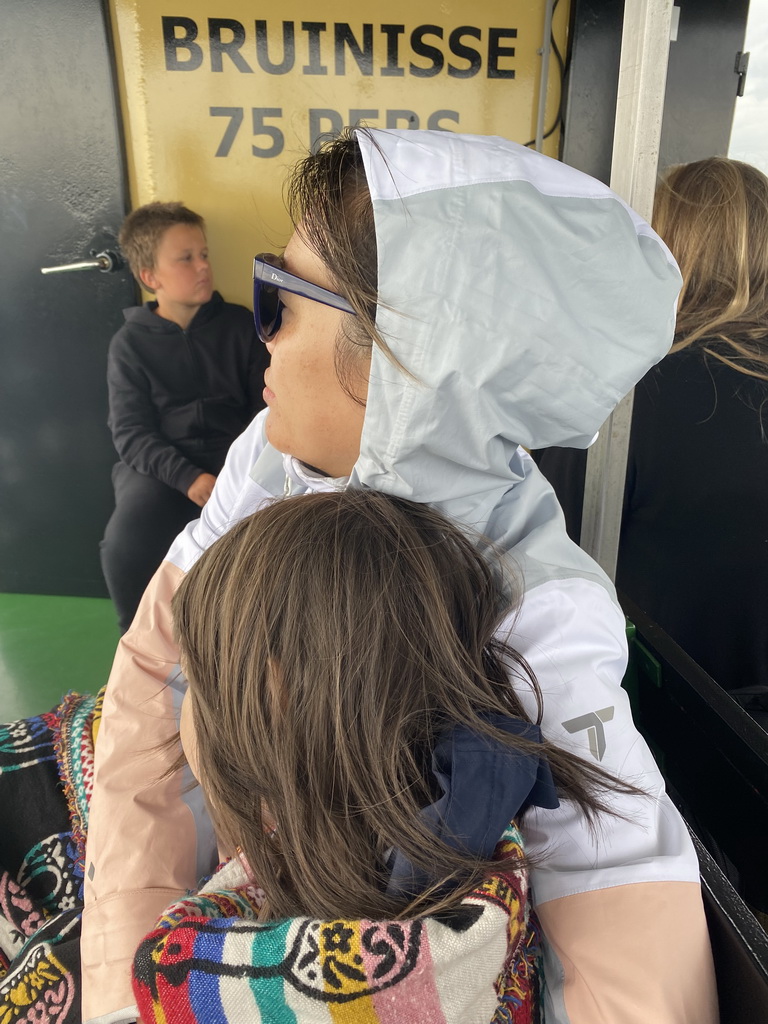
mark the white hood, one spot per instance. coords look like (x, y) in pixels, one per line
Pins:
(526, 299)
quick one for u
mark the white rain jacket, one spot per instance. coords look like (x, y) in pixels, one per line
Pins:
(525, 299)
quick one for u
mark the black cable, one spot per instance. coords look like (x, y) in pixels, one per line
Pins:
(561, 64)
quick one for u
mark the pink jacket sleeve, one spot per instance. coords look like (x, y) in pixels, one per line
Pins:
(149, 840)
(141, 849)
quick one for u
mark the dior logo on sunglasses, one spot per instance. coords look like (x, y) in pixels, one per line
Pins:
(267, 305)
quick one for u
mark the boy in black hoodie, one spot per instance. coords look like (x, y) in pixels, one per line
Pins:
(185, 376)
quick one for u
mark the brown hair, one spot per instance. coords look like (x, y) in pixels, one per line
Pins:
(713, 215)
(328, 640)
(142, 230)
(330, 204)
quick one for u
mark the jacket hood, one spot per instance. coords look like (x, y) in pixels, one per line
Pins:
(525, 299)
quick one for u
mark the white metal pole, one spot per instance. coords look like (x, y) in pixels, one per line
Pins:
(637, 133)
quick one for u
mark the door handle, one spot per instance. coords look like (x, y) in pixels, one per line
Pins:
(106, 262)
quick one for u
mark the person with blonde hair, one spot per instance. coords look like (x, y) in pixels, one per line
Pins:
(445, 302)
(693, 551)
(185, 375)
(713, 214)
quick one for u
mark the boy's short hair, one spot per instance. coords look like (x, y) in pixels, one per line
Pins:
(142, 230)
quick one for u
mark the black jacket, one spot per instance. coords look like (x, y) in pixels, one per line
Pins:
(694, 538)
(179, 398)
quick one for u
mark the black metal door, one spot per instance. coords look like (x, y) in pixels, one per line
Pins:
(702, 82)
(62, 198)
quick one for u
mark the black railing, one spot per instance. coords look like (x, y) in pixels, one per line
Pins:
(714, 758)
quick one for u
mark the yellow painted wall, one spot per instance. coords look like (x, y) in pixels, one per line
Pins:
(216, 108)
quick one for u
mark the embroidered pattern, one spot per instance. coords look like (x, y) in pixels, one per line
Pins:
(204, 962)
(39, 991)
(41, 892)
(74, 736)
(48, 872)
(25, 743)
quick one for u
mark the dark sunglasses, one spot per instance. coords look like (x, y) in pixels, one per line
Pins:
(268, 278)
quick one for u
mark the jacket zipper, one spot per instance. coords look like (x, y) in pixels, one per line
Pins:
(197, 372)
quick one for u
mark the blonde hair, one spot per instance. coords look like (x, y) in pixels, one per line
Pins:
(713, 215)
(142, 230)
(329, 641)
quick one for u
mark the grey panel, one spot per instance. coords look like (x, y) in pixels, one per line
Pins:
(701, 82)
(590, 88)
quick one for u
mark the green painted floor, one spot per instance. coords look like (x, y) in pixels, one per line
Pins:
(49, 645)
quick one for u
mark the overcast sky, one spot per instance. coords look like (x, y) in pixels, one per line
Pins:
(749, 136)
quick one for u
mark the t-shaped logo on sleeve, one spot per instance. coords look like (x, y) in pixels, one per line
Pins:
(593, 723)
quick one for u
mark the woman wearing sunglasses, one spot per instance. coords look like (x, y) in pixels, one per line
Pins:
(443, 301)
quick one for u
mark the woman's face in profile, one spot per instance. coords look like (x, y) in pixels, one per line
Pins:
(311, 416)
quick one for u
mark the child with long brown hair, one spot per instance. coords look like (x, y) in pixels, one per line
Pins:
(352, 725)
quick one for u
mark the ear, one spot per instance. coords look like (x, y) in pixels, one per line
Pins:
(148, 278)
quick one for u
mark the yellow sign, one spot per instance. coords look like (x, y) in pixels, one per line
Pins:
(219, 102)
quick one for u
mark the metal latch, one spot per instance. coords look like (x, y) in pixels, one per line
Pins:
(106, 262)
(740, 67)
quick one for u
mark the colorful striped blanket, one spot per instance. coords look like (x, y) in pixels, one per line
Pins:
(209, 961)
(46, 777)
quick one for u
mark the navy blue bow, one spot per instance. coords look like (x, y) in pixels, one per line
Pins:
(485, 784)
